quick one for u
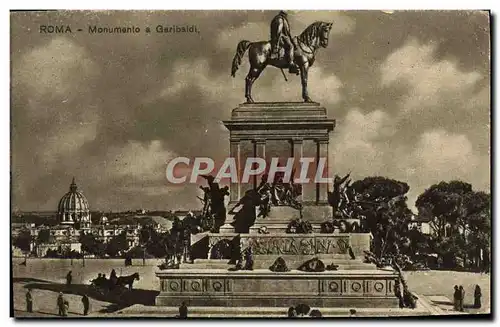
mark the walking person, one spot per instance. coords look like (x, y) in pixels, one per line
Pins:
(462, 297)
(477, 297)
(86, 304)
(69, 278)
(29, 301)
(60, 304)
(456, 298)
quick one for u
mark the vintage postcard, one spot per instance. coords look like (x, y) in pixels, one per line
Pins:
(250, 164)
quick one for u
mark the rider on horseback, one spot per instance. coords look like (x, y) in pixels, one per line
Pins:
(280, 36)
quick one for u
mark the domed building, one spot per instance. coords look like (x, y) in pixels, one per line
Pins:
(73, 209)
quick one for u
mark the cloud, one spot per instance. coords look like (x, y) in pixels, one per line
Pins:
(111, 111)
(342, 24)
(55, 113)
(270, 86)
(431, 83)
(365, 145)
(359, 143)
(443, 156)
(451, 104)
(58, 69)
(446, 146)
(141, 162)
(299, 20)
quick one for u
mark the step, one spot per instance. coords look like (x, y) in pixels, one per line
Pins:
(266, 264)
(298, 257)
(138, 310)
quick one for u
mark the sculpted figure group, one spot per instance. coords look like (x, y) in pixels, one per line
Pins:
(214, 210)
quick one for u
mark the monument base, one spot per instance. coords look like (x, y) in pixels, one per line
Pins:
(211, 287)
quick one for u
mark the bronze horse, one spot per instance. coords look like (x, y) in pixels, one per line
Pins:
(259, 54)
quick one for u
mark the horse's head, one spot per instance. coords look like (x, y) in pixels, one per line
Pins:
(324, 33)
(316, 34)
(136, 276)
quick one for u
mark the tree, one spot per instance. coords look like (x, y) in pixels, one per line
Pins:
(467, 212)
(382, 204)
(420, 244)
(43, 236)
(160, 244)
(90, 244)
(479, 227)
(23, 241)
(117, 244)
(442, 203)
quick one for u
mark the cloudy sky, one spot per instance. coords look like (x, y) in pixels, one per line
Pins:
(409, 90)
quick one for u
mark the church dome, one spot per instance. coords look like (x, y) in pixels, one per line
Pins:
(73, 208)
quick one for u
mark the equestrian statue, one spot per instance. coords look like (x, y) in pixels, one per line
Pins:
(283, 51)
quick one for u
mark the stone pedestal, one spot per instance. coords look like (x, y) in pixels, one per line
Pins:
(282, 130)
(279, 130)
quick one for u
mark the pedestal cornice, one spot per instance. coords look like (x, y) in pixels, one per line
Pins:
(280, 115)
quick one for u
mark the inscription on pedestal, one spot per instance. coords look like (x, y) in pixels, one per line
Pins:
(296, 244)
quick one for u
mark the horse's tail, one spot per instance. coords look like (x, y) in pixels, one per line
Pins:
(240, 51)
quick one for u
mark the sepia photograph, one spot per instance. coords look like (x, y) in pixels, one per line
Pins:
(273, 164)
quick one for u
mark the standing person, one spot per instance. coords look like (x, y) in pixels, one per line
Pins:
(183, 311)
(69, 278)
(112, 279)
(29, 301)
(462, 297)
(60, 304)
(456, 298)
(86, 304)
(477, 297)
(65, 308)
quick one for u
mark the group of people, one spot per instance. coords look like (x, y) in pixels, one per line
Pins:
(101, 278)
(62, 304)
(459, 295)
